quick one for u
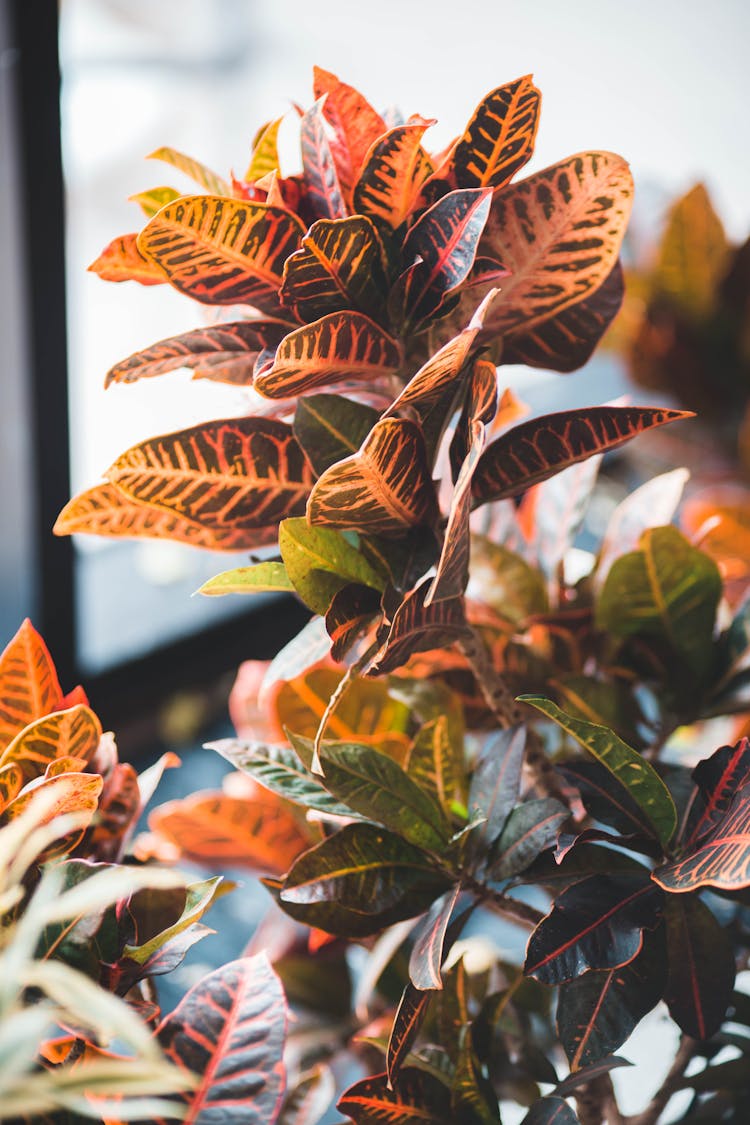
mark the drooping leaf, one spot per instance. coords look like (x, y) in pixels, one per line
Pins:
(74, 733)
(331, 427)
(153, 199)
(198, 172)
(353, 608)
(530, 828)
(29, 687)
(339, 267)
(262, 578)
(499, 138)
(701, 971)
(361, 879)
(567, 340)
(559, 234)
(339, 346)
(383, 489)
(597, 1012)
(237, 473)
(217, 344)
(419, 628)
(355, 123)
(668, 589)
(720, 859)
(443, 244)
(107, 510)
(630, 769)
(375, 786)
(452, 573)
(213, 828)
(494, 788)
(392, 178)
(538, 449)
(319, 562)
(265, 154)
(230, 1030)
(597, 923)
(323, 191)
(222, 251)
(428, 951)
(480, 406)
(410, 1016)
(121, 260)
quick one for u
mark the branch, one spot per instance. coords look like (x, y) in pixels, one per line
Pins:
(669, 1086)
(515, 909)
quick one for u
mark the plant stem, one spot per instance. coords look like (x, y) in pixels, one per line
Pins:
(669, 1086)
(596, 1103)
(513, 908)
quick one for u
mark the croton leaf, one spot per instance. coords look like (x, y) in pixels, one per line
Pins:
(410, 1016)
(342, 345)
(430, 938)
(366, 871)
(197, 172)
(568, 339)
(452, 572)
(217, 344)
(693, 255)
(597, 1012)
(558, 233)
(554, 510)
(443, 244)
(265, 154)
(480, 406)
(395, 170)
(340, 266)
(153, 199)
(320, 561)
(505, 581)
(416, 1098)
(308, 1101)
(499, 138)
(669, 589)
(355, 123)
(237, 473)
(331, 427)
(550, 1111)
(120, 805)
(213, 828)
(29, 687)
(530, 828)
(107, 510)
(230, 1030)
(262, 578)
(353, 608)
(322, 189)
(121, 260)
(597, 923)
(720, 859)
(74, 733)
(375, 786)
(435, 761)
(11, 780)
(222, 251)
(701, 971)
(630, 769)
(538, 449)
(606, 798)
(419, 628)
(157, 947)
(76, 794)
(717, 780)
(383, 489)
(494, 787)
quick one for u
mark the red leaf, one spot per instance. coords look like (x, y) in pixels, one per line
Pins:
(419, 628)
(323, 191)
(394, 173)
(355, 123)
(29, 687)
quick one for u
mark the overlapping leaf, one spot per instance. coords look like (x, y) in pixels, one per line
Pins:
(222, 251)
(701, 971)
(265, 154)
(73, 733)
(197, 172)
(499, 138)
(355, 123)
(29, 688)
(418, 1097)
(331, 427)
(720, 859)
(340, 266)
(121, 260)
(409, 1017)
(319, 562)
(323, 192)
(417, 627)
(392, 178)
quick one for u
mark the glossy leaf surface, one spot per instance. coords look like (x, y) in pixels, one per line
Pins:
(721, 859)
(395, 170)
(356, 124)
(701, 971)
(74, 733)
(419, 628)
(331, 427)
(339, 267)
(262, 578)
(499, 138)
(121, 260)
(29, 687)
(418, 1097)
(198, 172)
(319, 562)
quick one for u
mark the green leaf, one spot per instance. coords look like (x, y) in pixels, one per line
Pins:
(634, 773)
(435, 764)
(374, 785)
(505, 581)
(666, 589)
(198, 897)
(319, 562)
(331, 427)
(265, 577)
(154, 199)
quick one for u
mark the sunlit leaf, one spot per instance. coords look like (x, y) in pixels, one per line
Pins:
(499, 138)
(452, 573)
(322, 188)
(391, 180)
(265, 154)
(68, 793)
(154, 199)
(693, 254)
(74, 733)
(192, 168)
(121, 260)
(29, 687)
(319, 562)
(11, 780)
(355, 123)
(262, 578)
(435, 763)
(419, 628)
(418, 1097)
(505, 581)
(554, 511)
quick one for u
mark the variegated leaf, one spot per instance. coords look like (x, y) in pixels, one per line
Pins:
(74, 733)
(29, 688)
(340, 266)
(11, 780)
(356, 124)
(559, 234)
(452, 574)
(417, 627)
(121, 260)
(721, 859)
(383, 489)
(323, 192)
(343, 345)
(265, 155)
(154, 199)
(238, 473)
(480, 405)
(198, 172)
(499, 138)
(538, 449)
(107, 510)
(221, 343)
(352, 609)
(331, 427)
(222, 251)
(394, 173)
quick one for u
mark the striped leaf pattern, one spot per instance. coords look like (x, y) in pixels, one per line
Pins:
(499, 138)
(538, 449)
(701, 970)
(107, 510)
(394, 174)
(356, 125)
(718, 778)
(74, 733)
(154, 199)
(68, 793)
(443, 244)
(29, 688)
(343, 345)
(352, 609)
(721, 860)
(383, 489)
(418, 1097)
(480, 406)
(559, 234)
(240, 473)
(265, 156)
(230, 1030)
(417, 627)
(222, 251)
(197, 172)
(409, 1017)
(11, 780)
(220, 343)
(121, 260)
(339, 266)
(323, 191)
(452, 574)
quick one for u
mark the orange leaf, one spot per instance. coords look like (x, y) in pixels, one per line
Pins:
(499, 138)
(394, 174)
(70, 793)
(11, 780)
(29, 687)
(121, 260)
(355, 123)
(65, 734)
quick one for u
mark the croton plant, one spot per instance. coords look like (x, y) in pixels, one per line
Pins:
(479, 720)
